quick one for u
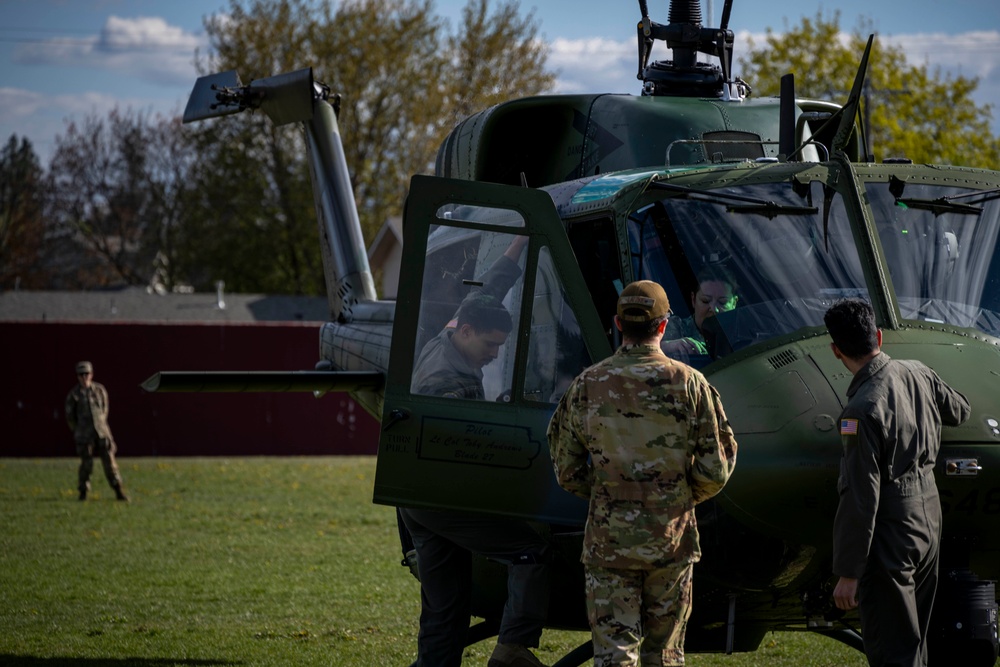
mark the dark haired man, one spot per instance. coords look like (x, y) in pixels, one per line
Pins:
(451, 365)
(888, 525)
(644, 439)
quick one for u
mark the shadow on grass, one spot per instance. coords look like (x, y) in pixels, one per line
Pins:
(31, 661)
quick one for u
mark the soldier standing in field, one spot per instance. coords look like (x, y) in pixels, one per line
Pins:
(644, 439)
(87, 416)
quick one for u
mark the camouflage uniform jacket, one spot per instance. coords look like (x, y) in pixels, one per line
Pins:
(87, 413)
(891, 434)
(643, 438)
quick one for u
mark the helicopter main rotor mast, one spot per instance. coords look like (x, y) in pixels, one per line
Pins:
(684, 75)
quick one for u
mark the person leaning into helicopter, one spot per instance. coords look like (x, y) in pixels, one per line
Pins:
(643, 438)
(450, 365)
(684, 336)
(887, 530)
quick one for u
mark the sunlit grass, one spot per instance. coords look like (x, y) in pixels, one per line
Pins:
(246, 561)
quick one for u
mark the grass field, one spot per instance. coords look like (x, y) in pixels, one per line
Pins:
(241, 561)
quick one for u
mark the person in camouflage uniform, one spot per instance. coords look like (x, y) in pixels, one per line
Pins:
(87, 416)
(644, 438)
(887, 531)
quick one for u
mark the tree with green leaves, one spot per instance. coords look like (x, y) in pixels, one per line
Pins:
(913, 112)
(22, 229)
(405, 77)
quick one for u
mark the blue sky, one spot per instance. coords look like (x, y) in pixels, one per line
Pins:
(63, 59)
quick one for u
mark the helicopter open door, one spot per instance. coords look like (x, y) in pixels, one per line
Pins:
(484, 451)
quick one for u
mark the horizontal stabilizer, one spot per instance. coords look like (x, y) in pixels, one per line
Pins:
(263, 381)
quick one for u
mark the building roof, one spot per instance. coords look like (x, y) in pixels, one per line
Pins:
(140, 305)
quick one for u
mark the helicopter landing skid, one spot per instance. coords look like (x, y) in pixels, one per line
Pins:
(577, 656)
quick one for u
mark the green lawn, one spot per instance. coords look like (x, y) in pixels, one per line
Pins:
(240, 561)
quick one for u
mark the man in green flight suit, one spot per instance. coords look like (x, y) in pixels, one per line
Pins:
(87, 417)
(644, 438)
(887, 531)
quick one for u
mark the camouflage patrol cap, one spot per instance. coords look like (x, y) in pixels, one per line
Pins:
(642, 301)
(84, 367)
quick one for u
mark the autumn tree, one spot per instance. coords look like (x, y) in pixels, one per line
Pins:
(21, 224)
(405, 78)
(914, 112)
(116, 189)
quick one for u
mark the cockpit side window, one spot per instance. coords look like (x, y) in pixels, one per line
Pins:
(556, 350)
(595, 246)
(941, 247)
(469, 310)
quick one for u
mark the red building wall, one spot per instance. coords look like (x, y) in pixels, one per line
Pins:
(38, 359)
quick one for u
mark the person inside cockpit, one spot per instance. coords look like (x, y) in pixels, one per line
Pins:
(716, 293)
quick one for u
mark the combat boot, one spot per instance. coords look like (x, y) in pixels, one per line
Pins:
(513, 655)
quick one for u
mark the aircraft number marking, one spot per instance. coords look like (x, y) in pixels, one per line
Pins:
(971, 502)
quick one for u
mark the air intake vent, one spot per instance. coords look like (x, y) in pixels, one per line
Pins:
(733, 146)
(783, 358)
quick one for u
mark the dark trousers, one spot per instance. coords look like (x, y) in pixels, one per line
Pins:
(896, 593)
(445, 542)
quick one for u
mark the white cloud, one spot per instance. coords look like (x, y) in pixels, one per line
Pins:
(147, 48)
(970, 54)
(41, 117)
(593, 65)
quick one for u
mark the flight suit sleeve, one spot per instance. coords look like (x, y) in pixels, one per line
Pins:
(499, 278)
(953, 405)
(570, 457)
(714, 445)
(860, 480)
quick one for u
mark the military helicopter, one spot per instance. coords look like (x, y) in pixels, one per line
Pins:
(601, 190)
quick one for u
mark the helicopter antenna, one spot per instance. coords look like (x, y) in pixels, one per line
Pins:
(850, 110)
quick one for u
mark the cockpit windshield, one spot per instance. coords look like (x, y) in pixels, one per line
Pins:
(744, 264)
(940, 244)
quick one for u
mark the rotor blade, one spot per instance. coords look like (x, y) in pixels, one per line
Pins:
(727, 9)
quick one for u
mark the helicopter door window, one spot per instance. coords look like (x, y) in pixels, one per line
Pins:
(470, 305)
(556, 351)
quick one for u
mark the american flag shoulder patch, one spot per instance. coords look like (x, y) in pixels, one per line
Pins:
(848, 427)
